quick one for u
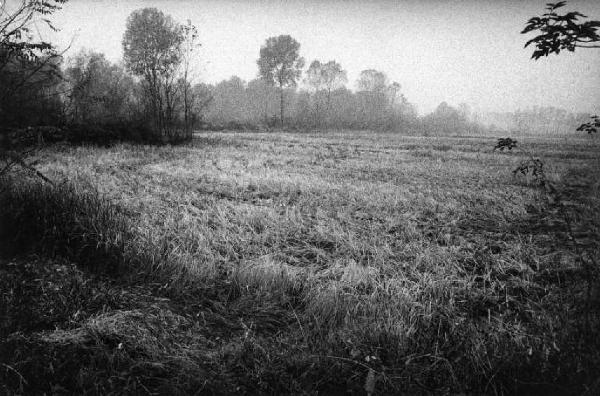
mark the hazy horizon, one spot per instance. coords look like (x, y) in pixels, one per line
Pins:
(453, 51)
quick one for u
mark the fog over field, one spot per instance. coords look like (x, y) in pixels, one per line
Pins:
(458, 51)
(299, 197)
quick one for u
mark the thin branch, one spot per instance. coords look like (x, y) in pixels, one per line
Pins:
(15, 158)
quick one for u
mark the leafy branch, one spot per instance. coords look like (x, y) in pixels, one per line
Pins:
(592, 126)
(561, 32)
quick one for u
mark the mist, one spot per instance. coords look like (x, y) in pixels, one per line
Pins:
(438, 51)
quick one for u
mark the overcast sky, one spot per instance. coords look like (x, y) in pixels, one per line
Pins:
(440, 50)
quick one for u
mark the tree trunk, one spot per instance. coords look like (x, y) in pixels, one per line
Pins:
(317, 114)
(281, 103)
(328, 105)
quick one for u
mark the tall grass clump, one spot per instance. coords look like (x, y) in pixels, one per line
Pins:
(74, 220)
(63, 220)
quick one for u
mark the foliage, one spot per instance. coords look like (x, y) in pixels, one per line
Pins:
(280, 63)
(29, 74)
(30, 90)
(592, 126)
(563, 32)
(505, 143)
(151, 44)
(17, 25)
(152, 49)
(98, 90)
(533, 167)
(29, 66)
(446, 119)
(325, 77)
(372, 81)
(559, 32)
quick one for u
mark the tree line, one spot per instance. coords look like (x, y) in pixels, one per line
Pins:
(153, 94)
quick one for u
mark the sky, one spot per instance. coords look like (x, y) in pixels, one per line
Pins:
(458, 51)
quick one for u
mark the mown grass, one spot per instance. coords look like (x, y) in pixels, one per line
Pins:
(299, 263)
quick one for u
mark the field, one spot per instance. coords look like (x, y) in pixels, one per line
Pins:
(303, 263)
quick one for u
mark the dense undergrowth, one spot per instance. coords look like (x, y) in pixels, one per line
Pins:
(299, 264)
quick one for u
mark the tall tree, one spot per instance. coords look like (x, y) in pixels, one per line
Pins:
(372, 80)
(325, 77)
(280, 63)
(372, 97)
(189, 46)
(152, 49)
(27, 63)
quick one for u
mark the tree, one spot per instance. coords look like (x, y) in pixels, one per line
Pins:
(152, 49)
(325, 77)
(372, 81)
(99, 91)
(229, 100)
(27, 64)
(263, 98)
(189, 47)
(394, 90)
(465, 111)
(372, 95)
(446, 119)
(280, 63)
(559, 32)
(201, 97)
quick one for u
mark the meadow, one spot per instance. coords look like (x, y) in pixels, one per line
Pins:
(303, 263)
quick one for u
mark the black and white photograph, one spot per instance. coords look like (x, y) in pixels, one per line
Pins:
(300, 197)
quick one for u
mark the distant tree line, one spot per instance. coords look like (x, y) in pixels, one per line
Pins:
(535, 120)
(153, 95)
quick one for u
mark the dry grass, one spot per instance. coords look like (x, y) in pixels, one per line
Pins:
(305, 263)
